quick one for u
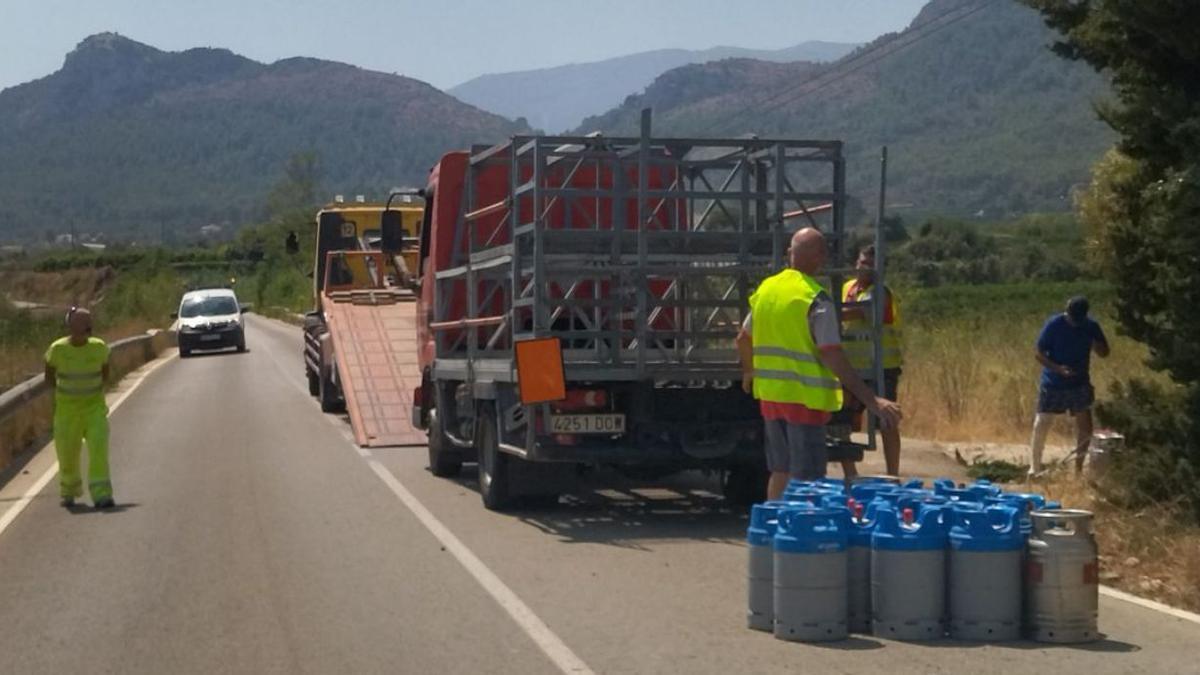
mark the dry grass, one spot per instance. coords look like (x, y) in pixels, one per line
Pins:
(81, 286)
(971, 378)
(18, 364)
(976, 381)
(1150, 553)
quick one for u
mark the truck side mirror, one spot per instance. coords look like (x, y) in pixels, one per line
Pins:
(174, 315)
(391, 231)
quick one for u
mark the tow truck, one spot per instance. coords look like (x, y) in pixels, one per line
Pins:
(359, 347)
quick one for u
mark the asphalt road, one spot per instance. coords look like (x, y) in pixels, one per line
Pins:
(254, 537)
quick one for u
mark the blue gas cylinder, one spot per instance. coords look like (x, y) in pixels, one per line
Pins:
(858, 567)
(812, 495)
(1024, 502)
(920, 502)
(810, 573)
(982, 488)
(865, 492)
(944, 487)
(760, 569)
(985, 588)
(825, 484)
(908, 573)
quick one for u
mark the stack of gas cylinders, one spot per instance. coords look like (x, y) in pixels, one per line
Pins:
(910, 562)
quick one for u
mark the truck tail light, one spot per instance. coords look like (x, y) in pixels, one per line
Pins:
(583, 399)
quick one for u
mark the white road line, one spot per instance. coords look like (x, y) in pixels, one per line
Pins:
(15, 510)
(19, 506)
(1150, 604)
(334, 420)
(558, 652)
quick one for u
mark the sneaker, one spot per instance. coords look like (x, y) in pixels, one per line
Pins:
(67, 502)
(105, 503)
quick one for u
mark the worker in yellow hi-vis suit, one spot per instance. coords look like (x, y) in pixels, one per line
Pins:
(77, 367)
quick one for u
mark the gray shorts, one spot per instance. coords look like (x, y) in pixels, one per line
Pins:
(797, 449)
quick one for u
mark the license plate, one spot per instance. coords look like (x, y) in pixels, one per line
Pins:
(587, 424)
(210, 338)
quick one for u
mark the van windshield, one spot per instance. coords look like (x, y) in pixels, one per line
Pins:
(212, 305)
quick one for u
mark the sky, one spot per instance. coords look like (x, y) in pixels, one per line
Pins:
(443, 42)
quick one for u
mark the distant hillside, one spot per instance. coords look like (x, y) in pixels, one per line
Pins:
(556, 99)
(126, 137)
(979, 115)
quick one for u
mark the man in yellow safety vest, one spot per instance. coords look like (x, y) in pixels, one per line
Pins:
(860, 350)
(77, 368)
(792, 362)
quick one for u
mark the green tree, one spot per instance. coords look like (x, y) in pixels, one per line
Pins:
(1143, 208)
(298, 187)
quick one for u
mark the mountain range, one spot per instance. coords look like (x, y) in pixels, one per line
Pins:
(130, 140)
(559, 98)
(980, 117)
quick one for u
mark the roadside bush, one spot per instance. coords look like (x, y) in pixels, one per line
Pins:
(145, 294)
(1161, 463)
(280, 283)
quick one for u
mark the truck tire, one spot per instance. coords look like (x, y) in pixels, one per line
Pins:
(314, 383)
(494, 476)
(328, 395)
(444, 459)
(745, 484)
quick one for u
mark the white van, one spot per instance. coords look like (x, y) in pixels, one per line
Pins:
(210, 318)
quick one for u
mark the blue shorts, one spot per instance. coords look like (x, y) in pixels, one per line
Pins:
(1073, 400)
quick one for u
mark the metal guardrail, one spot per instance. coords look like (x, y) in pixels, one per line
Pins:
(126, 355)
(17, 397)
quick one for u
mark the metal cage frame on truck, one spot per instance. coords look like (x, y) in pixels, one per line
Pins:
(644, 272)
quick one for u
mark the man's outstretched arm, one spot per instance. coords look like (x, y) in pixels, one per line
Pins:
(887, 411)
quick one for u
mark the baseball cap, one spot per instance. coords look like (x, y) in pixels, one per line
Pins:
(1077, 308)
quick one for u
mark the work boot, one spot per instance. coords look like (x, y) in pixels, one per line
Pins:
(105, 503)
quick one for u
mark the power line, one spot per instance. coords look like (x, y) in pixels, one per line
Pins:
(850, 67)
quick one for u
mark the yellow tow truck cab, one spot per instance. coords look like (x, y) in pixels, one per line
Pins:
(393, 230)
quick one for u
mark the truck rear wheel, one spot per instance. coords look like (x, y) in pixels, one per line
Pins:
(444, 459)
(314, 383)
(328, 395)
(494, 476)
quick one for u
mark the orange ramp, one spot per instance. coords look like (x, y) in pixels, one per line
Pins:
(375, 338)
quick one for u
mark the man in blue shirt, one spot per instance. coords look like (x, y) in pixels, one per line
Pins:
(1064, 349)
